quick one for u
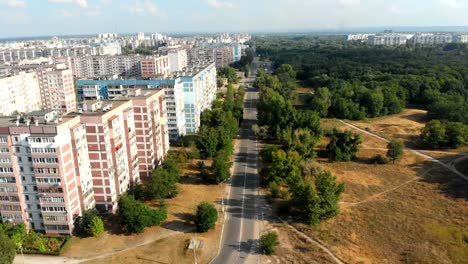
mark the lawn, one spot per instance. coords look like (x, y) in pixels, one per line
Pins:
(159, 243)
(414, 211)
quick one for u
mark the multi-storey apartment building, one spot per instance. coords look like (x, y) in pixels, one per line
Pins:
(391, 39)
(18, 54)
(57, 89)
(188, 93)
(100, 66)
(154, 65)
(53, 168)
(430, 38)
(20, 93)
(177, 59)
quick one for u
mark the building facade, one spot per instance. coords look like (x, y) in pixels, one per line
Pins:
(177, 59)
(154, 65)
(188, 93)
(20, 93)
(53, 168)
(57, 89)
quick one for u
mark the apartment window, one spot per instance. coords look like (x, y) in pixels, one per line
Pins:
(5, 160)
(23, 178)
(20, 159)
(6, 170)
(16, 139)
(18, 149)
(4, 150)
(26, 197)
(3, 139)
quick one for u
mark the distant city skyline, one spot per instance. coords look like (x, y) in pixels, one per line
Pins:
(20, 18)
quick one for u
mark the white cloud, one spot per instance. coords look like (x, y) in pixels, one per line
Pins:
(145, 7)
(60, 1)
(452, 3)
(80, 3)
(350, 2)
(64, 13)
(219, 4)
(14, 3)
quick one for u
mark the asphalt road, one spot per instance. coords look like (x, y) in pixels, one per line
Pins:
(239, 242)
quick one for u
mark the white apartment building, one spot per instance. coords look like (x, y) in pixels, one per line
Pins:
(57, 89)
(430, 38)
(102, 66)
(14, 55)
(391, 39)
(178, 59)
(19, 94)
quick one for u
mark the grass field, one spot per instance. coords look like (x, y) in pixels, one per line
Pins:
(170, 240)
(414, 211)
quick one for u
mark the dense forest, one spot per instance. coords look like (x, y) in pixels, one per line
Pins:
(352, 80)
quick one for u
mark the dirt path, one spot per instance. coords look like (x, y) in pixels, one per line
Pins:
(314, 241)
(39, 259)
(450, 166)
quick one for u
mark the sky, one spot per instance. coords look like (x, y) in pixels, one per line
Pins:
(70, 17)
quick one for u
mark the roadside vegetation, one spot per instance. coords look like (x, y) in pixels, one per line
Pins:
(396, 204)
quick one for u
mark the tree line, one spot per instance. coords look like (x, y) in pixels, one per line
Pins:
(353, 81)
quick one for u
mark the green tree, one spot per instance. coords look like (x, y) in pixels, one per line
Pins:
(89, 224)
(163, 184)
(343, 145)
(457, 134)
(433, 134)
(134, 215)
(321, 101)
(395, 150)
(7, 248)
(208, 142)
(329, 192)
(206, 217)
(221, 166)
(97, 226)
(269, 242)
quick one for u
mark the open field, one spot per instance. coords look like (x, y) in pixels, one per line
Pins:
(414, 211)
(166, 243)
(405, 126)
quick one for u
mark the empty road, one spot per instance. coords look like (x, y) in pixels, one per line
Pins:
(239, 243)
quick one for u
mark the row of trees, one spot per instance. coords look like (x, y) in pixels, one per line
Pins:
(229, 73)
(218, 128)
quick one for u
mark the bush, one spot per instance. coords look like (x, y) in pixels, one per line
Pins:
(96, 226)
(134, 215)
(343, 146)
(378, 159)
(90, 224)
(206, 217)
(269, 242)
(395, 150)
(274, 189)
(7, 248)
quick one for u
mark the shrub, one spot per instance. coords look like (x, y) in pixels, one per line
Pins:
(378, 159)
(90, 224)
(206, 217)
(343, 145)
(134, 215)
(274, 189)
(7, 248)
(96, 226)
(269, 242)
(395, 150)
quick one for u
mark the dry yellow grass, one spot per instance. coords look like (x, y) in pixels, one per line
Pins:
(169, 240)
(414, 211)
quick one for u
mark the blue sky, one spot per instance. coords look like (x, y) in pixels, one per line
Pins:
(59, 17)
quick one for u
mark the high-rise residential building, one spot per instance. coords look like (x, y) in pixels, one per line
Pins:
(57, 89)
(20, 93)
(188, 93)
(432, 38)
(389, 39)
(101, 66)
(53, 168)
(154, 65)
(177, 59)
(18, 54)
